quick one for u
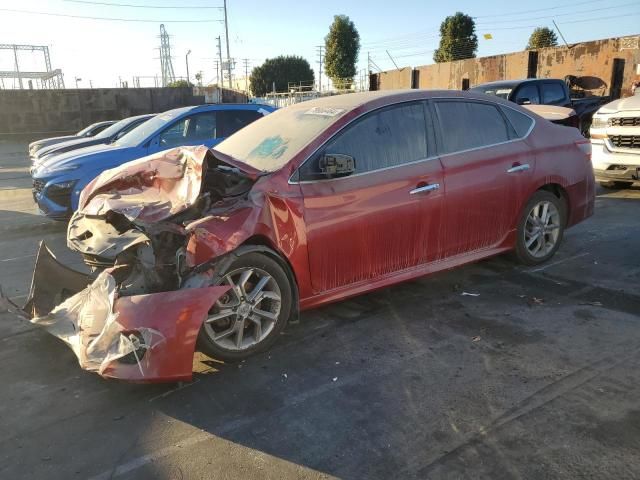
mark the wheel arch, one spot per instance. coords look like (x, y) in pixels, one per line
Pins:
(560, 192)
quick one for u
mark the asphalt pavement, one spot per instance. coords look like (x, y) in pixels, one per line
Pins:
(534, 375)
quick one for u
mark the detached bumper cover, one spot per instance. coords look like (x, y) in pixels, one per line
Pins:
(146, 338)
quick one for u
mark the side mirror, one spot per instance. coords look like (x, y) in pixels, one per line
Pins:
(337, 164)
(524, 101)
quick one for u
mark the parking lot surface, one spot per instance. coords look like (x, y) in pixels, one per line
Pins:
(492, 371)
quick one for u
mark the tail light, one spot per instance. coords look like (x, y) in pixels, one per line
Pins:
(584, 145)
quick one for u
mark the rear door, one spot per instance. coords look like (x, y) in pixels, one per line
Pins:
(486, 172)
(386, 216)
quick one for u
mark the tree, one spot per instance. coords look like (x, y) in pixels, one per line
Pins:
(180, 84)
(458, 39)
(542, 37)
(342, 45)
(281, 70)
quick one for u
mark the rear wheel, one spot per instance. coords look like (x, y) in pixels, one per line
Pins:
(251, 315)
(616, 185)
(540, 228)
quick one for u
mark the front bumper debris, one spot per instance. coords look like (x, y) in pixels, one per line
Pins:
(145, 338)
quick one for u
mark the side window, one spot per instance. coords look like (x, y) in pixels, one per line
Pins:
(466, 125)
(202, 127)
(233, 120)
(190, 130)
(174, 135)
(384, 138)
(528, 91)
(553, 93)
(521, 123)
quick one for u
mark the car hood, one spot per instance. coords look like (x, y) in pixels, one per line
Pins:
(96, 155)
(629, 103)
(43, 142)
(67, 145)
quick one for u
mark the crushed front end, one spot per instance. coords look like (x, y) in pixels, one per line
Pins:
(137, 315)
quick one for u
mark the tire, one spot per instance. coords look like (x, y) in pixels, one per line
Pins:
(616, 185)
(238, 311)
(549, 235)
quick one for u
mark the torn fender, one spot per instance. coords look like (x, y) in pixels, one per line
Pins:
(145, 338)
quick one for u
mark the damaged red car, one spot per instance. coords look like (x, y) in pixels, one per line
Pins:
(312, 204)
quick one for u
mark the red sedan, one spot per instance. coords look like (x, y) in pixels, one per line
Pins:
(315, 203)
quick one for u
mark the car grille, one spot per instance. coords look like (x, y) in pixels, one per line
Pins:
(624, 122)
(625, 141)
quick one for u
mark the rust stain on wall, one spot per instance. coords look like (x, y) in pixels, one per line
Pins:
(589, 59)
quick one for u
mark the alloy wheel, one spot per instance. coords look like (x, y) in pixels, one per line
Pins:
(542, 229)
(247, 313)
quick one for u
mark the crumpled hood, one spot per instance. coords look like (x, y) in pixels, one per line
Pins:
(98, 155)
(629, 103)
(149, 189)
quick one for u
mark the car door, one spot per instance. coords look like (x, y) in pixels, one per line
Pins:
(526, 94)
(383, 218)
(486, 170)
(192, 130)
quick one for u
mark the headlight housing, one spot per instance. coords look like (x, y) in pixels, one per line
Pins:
(54, 169)
(599, 122)
(60, 193)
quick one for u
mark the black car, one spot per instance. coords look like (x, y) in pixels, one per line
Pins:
(86, 132)
(546, 91)
(108, 135)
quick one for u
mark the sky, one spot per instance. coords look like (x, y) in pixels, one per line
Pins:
(101, 52)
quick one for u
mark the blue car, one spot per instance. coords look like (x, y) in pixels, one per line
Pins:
(57, 182)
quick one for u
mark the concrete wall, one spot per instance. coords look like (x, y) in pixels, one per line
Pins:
(592, 61)
(44, 112)
(395, 79)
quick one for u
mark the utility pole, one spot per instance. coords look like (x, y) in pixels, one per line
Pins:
(226, 33)
(320, 47)
(186, 59)
(221, 67)
(15, 57)
(246, 75)
(217, 67)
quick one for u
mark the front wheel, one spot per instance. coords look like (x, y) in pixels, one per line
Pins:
(251, 315)
(540, 228)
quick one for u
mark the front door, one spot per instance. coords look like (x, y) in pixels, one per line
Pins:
(386, 216)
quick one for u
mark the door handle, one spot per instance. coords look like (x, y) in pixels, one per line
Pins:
(426, 188)
(519, 168)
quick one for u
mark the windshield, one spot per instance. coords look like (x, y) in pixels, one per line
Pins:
(113, 129)
(272, 141)
(85, 131)
(142, 132)
(502, 92)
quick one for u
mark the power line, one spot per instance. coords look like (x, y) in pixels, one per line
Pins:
(50, 14)
(563, 14)
(522, 12)
(142, 6)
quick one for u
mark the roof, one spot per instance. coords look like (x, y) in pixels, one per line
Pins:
(350, 101)
(511, 83)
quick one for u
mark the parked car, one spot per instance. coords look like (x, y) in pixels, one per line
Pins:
(615, 138)
(108, 135)
(87, 132)
(546, 91)
(58, 181)
(315, 203)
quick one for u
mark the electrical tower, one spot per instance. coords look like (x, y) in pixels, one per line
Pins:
(49, 78)
(166, 66)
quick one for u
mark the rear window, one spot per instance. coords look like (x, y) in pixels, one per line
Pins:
(552, 93)
(465, 125)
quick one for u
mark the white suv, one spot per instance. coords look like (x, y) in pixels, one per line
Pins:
(615, 142)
